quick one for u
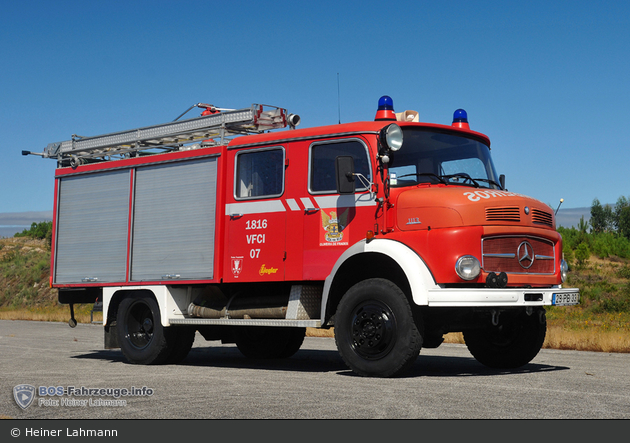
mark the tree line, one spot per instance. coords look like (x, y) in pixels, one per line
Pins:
(606, 234)
(607, 218)
(41, 230)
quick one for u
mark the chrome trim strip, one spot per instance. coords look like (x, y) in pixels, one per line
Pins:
(500, 255)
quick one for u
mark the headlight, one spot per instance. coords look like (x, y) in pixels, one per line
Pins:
(468, 267)
(564, 269)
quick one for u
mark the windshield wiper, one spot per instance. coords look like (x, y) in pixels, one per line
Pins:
(426, 174)
(444, 178)
(491, 182)
(464, 176)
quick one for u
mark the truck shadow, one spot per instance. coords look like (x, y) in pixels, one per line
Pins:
(318, 361)
(444, 366)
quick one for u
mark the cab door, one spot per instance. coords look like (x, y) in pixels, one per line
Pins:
(256, 216)
(333, 222)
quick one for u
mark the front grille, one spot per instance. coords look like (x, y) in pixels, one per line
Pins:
(542, 217)
(511, 214)
(518, 255)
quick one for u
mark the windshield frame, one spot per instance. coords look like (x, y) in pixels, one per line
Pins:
(432, 155)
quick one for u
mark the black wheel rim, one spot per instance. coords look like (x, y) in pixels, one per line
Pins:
(373, 330)
(139, 325)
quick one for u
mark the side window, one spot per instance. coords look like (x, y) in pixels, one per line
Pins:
(322, 164)
(259, 174)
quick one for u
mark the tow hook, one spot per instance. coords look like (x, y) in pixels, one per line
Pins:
(495, 317)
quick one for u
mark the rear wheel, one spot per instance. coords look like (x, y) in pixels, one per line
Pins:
(184, 339)
(511, 344)
(294, 342)
(142, 338)
(375, 330)
(262, 342)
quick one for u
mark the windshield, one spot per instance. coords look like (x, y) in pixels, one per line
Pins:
(428, 156)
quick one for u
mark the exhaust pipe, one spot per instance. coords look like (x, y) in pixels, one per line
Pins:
(217, 307)
(254, 313)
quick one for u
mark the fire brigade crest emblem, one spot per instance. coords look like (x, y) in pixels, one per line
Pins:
(237, 265)
(24, 395)
(334, 226)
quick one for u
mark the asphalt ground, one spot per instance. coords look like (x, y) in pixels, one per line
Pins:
(216, 382)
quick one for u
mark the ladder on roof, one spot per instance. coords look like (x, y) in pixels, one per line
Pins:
(213, 129)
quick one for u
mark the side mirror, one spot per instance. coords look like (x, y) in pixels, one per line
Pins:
(502, 181)
(344, 170)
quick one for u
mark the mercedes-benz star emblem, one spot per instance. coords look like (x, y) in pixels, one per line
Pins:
(525, 254)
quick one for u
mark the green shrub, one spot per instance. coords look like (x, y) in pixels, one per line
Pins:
(582, 254)
(624, 272)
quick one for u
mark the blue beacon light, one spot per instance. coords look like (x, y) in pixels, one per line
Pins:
(460, 119)
(385, 109)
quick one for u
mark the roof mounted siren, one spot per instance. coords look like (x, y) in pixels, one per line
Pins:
(385, 110)
(460, 119)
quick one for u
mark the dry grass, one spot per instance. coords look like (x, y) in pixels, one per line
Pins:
(454, 337)
(59, 314)
(587, 340)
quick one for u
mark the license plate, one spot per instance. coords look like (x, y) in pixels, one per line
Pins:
(569, 298)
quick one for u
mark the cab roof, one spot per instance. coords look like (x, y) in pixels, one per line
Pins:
(365, 127)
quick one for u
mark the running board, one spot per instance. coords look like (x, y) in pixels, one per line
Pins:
(245, 322)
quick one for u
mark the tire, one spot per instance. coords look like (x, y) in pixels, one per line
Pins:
(267, 342)
(184, 339)
(143, 340)
(294, 342)
(375, 330)
(511, 344)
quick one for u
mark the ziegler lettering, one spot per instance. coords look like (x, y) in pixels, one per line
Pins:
(265, 270)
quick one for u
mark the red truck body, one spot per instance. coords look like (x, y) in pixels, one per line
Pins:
(393, 231)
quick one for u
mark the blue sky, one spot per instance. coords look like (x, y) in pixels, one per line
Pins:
(547, 81)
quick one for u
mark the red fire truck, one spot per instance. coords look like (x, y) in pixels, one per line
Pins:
(392, 231)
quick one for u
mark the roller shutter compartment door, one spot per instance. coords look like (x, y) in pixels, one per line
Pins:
(92, 226)
(174, 221)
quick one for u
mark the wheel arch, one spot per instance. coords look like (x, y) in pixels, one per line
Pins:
(112, 300)
(382, 258)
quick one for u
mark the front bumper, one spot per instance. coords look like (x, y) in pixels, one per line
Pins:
(483, 297)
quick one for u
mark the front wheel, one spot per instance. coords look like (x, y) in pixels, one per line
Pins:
(375, 331)
(512, 343)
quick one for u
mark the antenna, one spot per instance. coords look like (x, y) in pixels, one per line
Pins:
(561, 200)
(338, 99)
